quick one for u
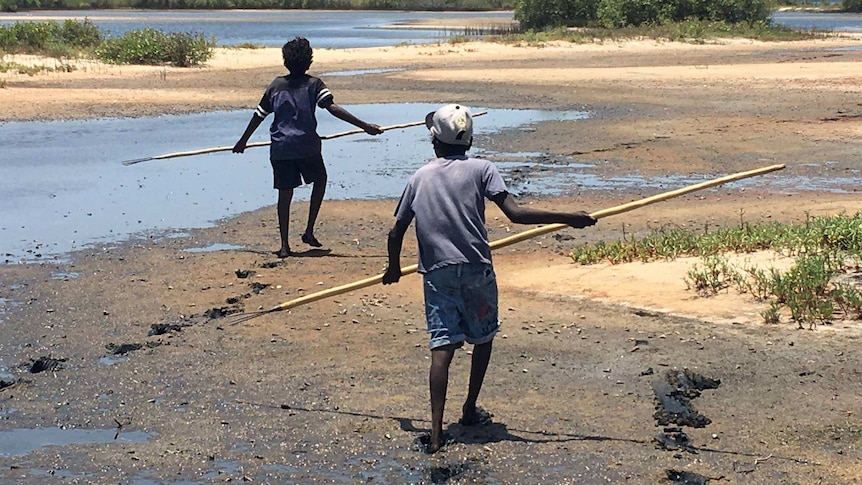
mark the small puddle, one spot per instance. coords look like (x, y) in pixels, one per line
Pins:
(359, 72)
(21, 441)
(65, 275)
(213, 248)
(6, 305)
(106, 360)
(7, 379)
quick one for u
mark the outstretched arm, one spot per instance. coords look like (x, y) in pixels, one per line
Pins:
(393, 247)
(253, 123)
(345, 115)
(528, 215)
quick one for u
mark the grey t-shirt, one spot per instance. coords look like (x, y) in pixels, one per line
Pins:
(447, 198)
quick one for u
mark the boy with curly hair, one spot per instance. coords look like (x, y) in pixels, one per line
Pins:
(295, 152)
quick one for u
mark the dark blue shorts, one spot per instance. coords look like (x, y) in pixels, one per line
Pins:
(290, 174)
(461, 304)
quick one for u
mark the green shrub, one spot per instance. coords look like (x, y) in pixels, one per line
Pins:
(622, 13)
(52, 38)
(540, 14)
(853, 5)
(151, 46)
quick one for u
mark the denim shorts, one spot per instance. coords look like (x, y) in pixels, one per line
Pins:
(461, 304)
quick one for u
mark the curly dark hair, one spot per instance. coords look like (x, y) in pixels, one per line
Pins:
(297, 55)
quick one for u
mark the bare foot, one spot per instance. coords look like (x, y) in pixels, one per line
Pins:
(311, 240)
(475, 415)
(282, 253)
(434, 444)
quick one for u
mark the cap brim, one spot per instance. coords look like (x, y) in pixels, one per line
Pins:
(429, 119)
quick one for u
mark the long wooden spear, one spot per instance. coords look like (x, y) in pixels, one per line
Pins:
(204, 151)
(508, 241)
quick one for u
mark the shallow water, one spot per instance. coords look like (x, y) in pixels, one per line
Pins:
(838, 22)
(324, 28)
(64, 185)
(21, 441)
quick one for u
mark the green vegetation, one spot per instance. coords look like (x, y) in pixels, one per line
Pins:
(541, 14)
(824, 247)
(72, 38)
(853, 5)
(150, 46)
(54, 39)
(31, 70)
(696, 31)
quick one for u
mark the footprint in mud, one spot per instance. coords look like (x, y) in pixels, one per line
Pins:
(46, 362)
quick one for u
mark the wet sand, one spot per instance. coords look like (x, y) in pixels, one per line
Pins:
(336, 391)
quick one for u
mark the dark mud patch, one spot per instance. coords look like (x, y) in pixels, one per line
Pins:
(233, 300)
(674, 439)
(220, 312)
(674, 395)
(45, 363)
(244, 273)
(271, 264)
(466, 470)
(123, 349)
(686, 478)
(164, 328)
(256, 287)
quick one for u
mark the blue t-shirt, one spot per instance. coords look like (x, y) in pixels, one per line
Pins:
(447, 198)
(294, 130)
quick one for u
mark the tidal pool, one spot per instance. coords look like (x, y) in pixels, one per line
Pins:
(64, 185)
(21, 441)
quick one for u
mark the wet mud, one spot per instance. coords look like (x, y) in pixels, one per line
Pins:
(674, 395)
(45, 363)
(686, 478)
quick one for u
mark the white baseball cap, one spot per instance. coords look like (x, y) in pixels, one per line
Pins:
(451, 124)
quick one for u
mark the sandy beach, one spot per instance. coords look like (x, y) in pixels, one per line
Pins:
(137, 338)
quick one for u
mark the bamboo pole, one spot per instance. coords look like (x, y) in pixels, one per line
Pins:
(204, 151)
(516, 238)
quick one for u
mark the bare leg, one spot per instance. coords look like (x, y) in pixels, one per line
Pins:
(318, 189)
(438, 380)
(478, 367)
(285, 196)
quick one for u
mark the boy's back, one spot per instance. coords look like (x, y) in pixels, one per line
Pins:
(292, 99)
(447, 197)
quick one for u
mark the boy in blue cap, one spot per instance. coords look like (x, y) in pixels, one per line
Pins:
(447, 198)
(295, 152)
